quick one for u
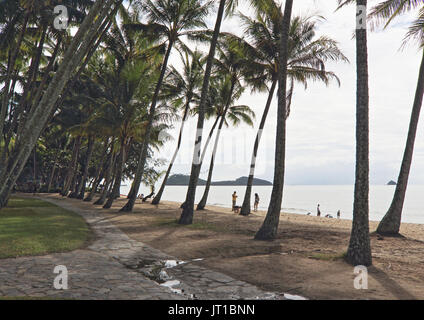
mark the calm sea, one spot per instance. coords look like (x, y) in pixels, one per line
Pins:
(303, 199)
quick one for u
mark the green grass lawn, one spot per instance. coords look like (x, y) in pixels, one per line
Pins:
(35, 227)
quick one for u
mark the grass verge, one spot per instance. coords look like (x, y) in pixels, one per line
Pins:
(35, 227)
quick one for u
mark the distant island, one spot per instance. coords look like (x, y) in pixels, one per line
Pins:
(391, 183)
(182, 180)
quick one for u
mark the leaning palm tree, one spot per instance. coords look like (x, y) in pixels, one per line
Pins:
(359, 250)
(168, 20)
(226, 91)
(188, 207)
(387, 11)
(185, 87)
(307, 59)
(269, 227)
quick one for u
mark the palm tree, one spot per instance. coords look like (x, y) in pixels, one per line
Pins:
(36, 120)
(307, 58)
(269, 227)
(359, 250)
(186, 86)
(226, 91)
(187, 214)
(169, 20)
(387, 11)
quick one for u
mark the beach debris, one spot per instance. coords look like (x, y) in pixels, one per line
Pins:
(293, 297)
(172, 284)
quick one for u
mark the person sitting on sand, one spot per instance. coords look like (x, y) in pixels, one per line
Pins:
(255, 206)
(234, 200)
(318, 211)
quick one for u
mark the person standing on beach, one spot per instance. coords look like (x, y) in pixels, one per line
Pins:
(318, 211)
(234, 200)
(255, 206)
(338, 214)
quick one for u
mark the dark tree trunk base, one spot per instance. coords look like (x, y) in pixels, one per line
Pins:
(264, 235)
(99, 202)
(127, 208)
(200, 207)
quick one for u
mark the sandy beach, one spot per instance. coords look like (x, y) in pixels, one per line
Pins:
(306, 258)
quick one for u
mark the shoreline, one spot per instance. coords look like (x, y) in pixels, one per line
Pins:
(282, 214)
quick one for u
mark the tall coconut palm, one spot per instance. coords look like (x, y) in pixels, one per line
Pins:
(386, 12)
(188, 208)
(226, 91)
(169, 19)
(269, 227)
(186, 86)
(308, 55)
(359, 250)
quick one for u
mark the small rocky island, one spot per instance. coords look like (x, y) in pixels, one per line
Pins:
(182, 180)
(391, 183)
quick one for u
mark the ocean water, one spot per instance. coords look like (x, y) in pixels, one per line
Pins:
(302, 199)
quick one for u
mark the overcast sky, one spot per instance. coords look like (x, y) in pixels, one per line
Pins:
(321, 127)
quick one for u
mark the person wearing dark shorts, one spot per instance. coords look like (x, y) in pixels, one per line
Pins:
(255, 206)
(234, 200)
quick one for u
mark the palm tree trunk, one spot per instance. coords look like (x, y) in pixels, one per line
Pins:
(245, 208)
(108, 181)
(72, 167)
(201, 205)
(187, 214)
(269, 227)
(118, 176)
(390, 224)
(39, 115)
(158, 196)
(81, 188)
(100, 171)
(49, 185)
(359, 250)
(205, 147)
(143, 155)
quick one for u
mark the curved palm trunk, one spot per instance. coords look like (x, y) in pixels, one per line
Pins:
(359, 250)
(201, 205)
(81, 188)
(205, 147)
(269, 227)
(245, 208)
(390, 224)
(187, 214)
(158, 196)
(129, 206)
